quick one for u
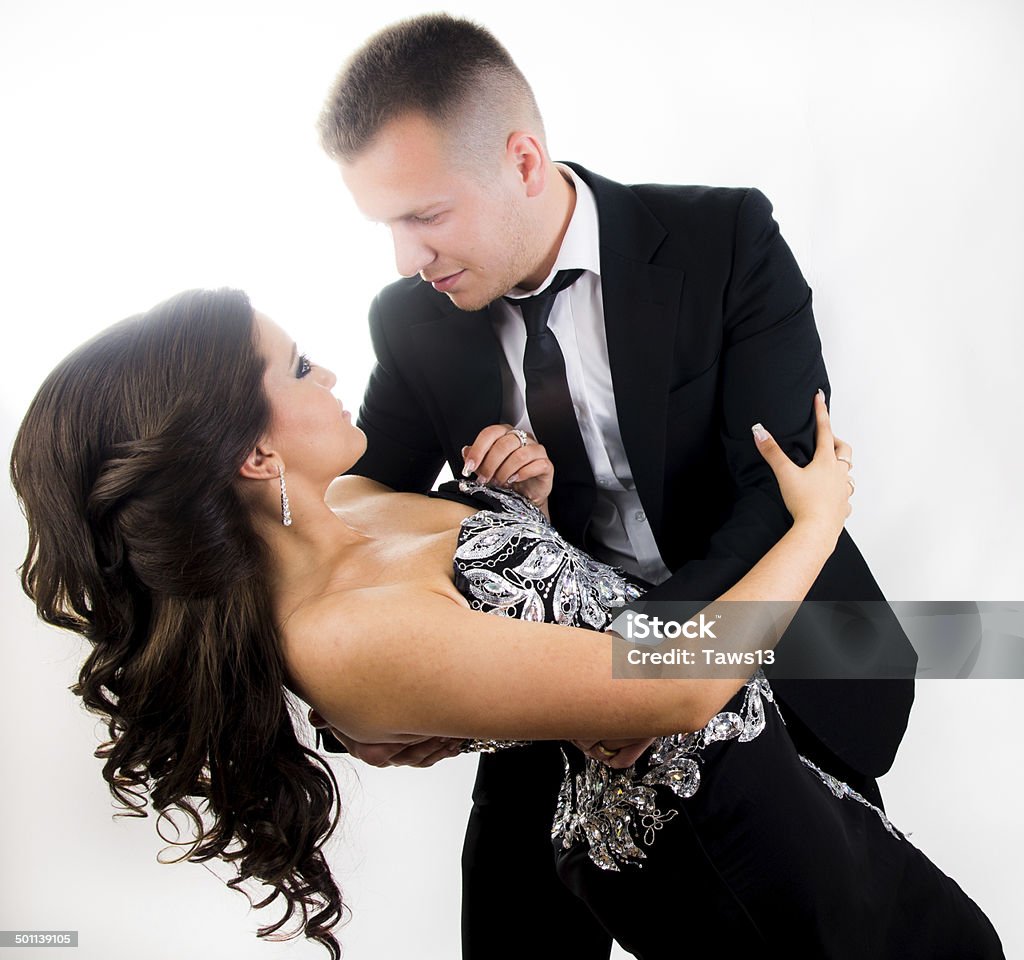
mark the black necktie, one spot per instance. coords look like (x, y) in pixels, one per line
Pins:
(551, 410)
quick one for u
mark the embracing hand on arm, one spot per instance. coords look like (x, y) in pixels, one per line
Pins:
(407, 752)
(816, 496)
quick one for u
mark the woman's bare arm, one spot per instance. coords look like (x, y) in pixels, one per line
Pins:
(390, 660)
(404, 660)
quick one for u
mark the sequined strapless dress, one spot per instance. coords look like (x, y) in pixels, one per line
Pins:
(729, 823)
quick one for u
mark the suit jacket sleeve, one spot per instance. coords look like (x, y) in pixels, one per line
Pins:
(402, 448)
(771, 366)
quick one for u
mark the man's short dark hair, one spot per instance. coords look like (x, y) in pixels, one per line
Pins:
(452, 71)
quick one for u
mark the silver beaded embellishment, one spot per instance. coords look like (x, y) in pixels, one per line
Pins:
(609, 807)
(843, 790)
(549, 580)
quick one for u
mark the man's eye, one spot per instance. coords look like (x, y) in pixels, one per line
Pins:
(304, 366)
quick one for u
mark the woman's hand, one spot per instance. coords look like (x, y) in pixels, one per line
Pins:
(820, 492)
(505, 457)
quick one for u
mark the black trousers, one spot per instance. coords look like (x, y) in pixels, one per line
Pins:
(521, 891)
(763, 857)
(514, 904)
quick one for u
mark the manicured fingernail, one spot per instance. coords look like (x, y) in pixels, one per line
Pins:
(468, 468)
(512, 479)
(821, 393)
(760, 434)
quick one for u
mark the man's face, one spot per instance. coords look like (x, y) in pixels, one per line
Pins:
(467, 235)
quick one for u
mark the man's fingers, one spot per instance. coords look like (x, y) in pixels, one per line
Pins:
(388, 754)
(396, 753)
(375, 754)
(442, 753)
(427, 753)
(627, 756)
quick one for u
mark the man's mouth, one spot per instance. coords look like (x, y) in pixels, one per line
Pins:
(444, 284)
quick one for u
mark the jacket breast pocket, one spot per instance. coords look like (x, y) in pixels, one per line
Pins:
(697, 393)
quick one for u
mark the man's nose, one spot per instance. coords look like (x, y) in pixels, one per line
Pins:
(411, 254)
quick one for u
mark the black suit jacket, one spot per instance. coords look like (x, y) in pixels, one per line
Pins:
(709, 329)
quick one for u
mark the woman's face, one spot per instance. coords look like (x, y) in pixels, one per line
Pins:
(310, 430)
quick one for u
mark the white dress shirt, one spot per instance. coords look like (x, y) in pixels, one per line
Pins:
(619, 524)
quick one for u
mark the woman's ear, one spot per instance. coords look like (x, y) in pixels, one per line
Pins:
(261, 464)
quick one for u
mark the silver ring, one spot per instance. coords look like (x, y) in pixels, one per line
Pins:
(523, 438)
(608, 753)
(846, 461)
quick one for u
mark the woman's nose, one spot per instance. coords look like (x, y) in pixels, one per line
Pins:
(327, 377)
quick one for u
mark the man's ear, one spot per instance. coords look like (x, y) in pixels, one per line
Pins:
(261, 464)
(527, 155)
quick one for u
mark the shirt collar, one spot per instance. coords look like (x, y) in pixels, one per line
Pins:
(581, 249)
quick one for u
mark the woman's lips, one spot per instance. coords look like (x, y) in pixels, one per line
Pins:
(446, 283)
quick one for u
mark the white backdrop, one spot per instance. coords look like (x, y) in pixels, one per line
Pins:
(149, 148)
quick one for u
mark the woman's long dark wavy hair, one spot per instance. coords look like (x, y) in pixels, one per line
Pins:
(126, 466)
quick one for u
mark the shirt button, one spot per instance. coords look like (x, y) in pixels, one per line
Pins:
(640, 515)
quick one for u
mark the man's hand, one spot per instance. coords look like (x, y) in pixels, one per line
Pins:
(626, 752)
(499, 457)
(412, 752)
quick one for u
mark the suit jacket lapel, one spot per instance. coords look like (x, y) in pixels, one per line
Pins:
(641, 310)
(457, 354)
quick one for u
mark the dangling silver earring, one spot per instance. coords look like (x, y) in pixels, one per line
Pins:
(286, 513)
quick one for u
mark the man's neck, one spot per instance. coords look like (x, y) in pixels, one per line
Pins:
(559, 213)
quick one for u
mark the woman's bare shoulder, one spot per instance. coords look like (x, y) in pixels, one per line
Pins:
(340, 649)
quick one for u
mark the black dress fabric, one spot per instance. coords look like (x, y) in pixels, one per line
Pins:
(728, 831)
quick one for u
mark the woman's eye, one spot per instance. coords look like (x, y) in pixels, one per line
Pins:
(304, 366)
